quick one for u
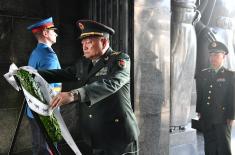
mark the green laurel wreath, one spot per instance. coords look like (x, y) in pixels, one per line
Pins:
(50, 123)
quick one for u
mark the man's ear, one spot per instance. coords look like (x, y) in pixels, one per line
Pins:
(105, 42)
(45, 33)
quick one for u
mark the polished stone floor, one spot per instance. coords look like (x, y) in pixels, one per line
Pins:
(200, 145)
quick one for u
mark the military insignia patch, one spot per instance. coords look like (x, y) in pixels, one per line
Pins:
(220, 80)
(81, 26)
(122, 63)
(103, 71)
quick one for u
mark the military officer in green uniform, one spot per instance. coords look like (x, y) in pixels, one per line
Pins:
(216, 102)
(107, 123)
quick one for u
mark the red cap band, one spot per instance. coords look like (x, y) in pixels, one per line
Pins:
(40, 28)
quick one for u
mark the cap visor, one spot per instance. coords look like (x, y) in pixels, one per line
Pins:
(217, 51)
(52, 28)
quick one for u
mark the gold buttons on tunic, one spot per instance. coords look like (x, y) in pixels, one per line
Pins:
(90, 116)
(211, 86)
(209, 92)
(116, 120)
(209, 97)
(208, 103)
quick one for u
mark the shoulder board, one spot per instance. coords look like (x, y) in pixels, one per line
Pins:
(205, 69)
(230, 70)
(115, 53)
(120, 55)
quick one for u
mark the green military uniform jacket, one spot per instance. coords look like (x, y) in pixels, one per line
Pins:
(107, 119)
(215, 96)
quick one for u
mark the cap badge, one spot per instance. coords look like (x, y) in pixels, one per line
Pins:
(81, 26)
(213, 44)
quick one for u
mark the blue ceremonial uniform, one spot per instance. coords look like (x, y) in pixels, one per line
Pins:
(43, 57)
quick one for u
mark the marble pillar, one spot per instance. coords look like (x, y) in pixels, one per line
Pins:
(183, 60)
(152, 74)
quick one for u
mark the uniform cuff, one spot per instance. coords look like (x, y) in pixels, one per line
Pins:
(81, 92)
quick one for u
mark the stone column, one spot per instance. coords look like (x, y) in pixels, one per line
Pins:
(152, 74)
(183, 60)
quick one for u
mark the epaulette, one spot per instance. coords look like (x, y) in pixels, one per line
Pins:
(230, 70)
(120, 55)
(115, 53)
(205, 69)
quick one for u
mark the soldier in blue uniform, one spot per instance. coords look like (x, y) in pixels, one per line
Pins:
(216, 102)
(42, 57)
(107, 123)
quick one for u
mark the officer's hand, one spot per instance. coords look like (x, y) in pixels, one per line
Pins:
(229, 122)
(61, 99)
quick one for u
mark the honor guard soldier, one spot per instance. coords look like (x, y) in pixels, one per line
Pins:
(42, 57)
(216, 101)
(107, 123)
